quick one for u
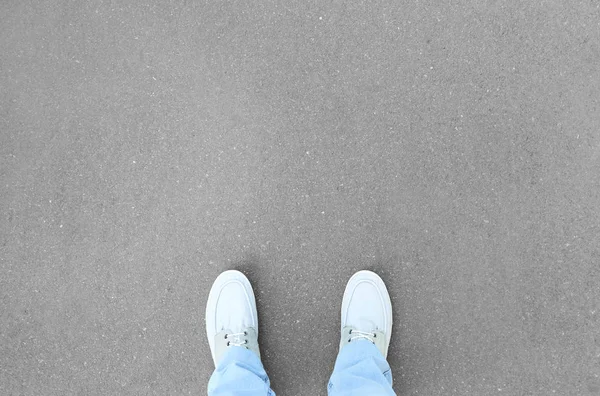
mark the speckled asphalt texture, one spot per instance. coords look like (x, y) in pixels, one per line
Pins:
(452, 148)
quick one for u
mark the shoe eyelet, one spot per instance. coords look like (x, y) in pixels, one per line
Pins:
(374, 335)
(245, 333)
(225, 336)
(228, 342)
(246, 341)
(349, 339)
(350, 332)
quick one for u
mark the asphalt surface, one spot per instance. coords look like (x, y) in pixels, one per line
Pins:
(452, 148)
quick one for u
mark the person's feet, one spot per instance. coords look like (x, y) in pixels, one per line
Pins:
(231, 317)
(366, 311)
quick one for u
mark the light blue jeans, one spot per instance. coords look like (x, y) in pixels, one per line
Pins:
(360, 369)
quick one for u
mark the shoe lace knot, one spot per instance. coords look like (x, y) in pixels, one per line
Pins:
(237, 339)
(357, 334)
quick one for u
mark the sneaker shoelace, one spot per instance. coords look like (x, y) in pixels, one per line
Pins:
(357, 334)
(236, 339)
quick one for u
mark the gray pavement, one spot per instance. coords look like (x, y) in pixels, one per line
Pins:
(452, 148)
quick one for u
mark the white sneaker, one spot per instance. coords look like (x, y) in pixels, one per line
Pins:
(367, 311)
(231, 317)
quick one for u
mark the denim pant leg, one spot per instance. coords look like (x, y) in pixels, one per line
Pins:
(240, 372)
(360, 369)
